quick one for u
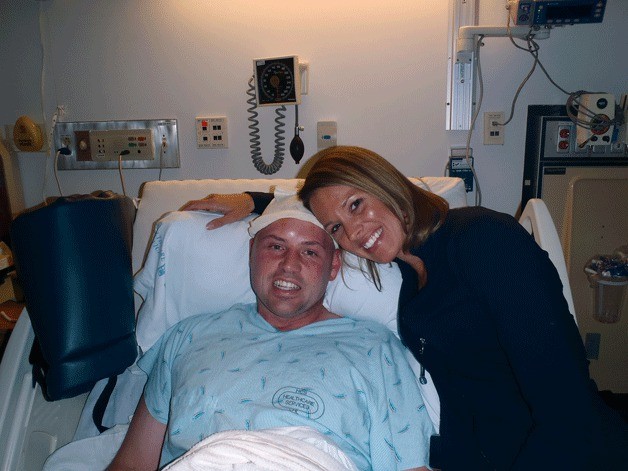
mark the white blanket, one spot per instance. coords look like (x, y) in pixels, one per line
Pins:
(277, 449)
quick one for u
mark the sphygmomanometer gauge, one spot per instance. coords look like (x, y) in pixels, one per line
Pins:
(276, 81)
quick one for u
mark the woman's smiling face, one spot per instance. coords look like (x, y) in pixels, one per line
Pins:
(359, 222)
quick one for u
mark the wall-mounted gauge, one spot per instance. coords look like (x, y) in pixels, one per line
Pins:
(277, 81)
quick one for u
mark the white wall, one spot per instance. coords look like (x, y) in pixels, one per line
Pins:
(378, 69)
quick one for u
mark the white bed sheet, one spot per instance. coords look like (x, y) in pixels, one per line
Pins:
(88, 454)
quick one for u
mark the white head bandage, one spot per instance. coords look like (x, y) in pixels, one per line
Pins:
(286, 204)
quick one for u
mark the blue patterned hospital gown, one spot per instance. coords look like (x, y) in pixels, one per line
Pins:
(347, 379)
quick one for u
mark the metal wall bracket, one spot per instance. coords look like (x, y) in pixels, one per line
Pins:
(460, 69)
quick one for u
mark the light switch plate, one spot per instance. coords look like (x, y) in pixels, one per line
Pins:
(211, 132)
(493, 133)
(326, 134)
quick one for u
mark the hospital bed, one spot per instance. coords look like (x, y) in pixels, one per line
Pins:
(32, 428)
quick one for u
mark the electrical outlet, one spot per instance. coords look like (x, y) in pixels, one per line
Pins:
(493, 132)
(211, 132)
(107, 145)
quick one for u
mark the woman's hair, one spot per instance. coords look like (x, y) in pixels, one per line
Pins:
(421, 212)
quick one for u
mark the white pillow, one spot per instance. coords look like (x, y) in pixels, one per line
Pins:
(190, 270)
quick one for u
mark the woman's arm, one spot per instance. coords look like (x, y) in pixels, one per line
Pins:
(234, 206)
(141, 448)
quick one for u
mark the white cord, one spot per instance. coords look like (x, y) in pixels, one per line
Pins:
(162, 147)
(59, 110)
(573, 102)
(4, 315)
(55, 170)
(427, 186)
(53, 122)
(58, 113)
(124, 152)
(478, 190)
(42, 74)
(41, 91)
(533, 49)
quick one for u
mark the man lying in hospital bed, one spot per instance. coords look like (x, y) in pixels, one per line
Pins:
(344, 385)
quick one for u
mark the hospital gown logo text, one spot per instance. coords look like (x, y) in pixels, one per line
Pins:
(301, 401)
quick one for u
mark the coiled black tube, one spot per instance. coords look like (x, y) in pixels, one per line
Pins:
(256, 150)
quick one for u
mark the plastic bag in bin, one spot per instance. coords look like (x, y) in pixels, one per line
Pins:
(608, 276)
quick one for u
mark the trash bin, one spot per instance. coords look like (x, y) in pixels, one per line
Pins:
(608, 276)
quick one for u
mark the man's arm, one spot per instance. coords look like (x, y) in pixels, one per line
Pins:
(141, 448)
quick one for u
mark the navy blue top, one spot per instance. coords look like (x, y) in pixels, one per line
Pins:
(493, 329)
